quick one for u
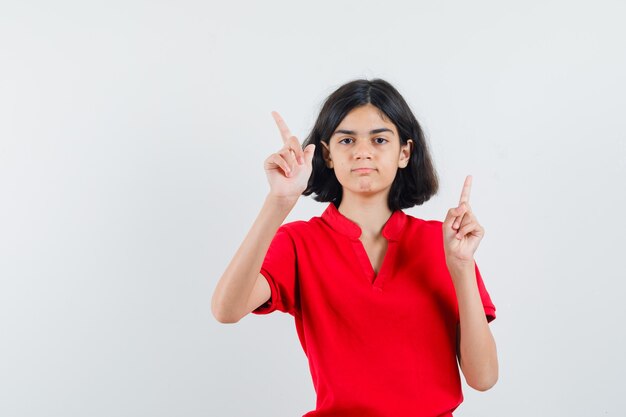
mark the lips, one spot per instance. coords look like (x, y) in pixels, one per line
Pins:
(363, 170)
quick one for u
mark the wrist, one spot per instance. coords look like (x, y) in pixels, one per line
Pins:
(281, 201)
(460, 267)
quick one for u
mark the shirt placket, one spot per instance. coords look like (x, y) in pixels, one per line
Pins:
(377, 281)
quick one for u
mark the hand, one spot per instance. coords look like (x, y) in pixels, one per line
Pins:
(461, 231)
(289, 169)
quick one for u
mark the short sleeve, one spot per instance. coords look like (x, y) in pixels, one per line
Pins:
(490, 309)
(279, 269)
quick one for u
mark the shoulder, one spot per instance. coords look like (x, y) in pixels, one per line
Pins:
(416, 224)
(300, 228)
(294, 228)
(426, 236)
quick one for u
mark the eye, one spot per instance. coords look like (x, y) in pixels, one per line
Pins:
(344, 140)
(380, 141)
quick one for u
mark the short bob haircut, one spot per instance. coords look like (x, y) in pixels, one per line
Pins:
(413, 185)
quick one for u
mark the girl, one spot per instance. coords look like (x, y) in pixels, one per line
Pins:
(384, 303)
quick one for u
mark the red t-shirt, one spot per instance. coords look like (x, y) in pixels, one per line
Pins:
(378, 345)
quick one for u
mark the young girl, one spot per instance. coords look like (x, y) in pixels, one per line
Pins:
(383, 302)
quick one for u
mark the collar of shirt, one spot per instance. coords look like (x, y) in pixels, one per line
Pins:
(340, 223)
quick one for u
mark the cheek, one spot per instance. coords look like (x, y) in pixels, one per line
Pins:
(340, 164)
(341, 170)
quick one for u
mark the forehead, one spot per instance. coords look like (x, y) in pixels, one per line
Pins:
(363, 119)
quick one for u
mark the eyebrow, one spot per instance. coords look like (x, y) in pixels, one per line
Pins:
(372, 132)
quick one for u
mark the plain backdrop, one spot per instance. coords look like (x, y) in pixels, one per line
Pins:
(132, 140)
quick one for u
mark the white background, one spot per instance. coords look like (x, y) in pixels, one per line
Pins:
(132, 140)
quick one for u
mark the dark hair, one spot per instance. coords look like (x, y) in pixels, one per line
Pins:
(414, 184)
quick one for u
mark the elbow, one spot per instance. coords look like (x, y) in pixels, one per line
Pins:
(481, 378)
(483, 384)
(482, 373)
(223, 315)
(224, 318)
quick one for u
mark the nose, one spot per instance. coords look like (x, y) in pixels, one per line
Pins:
(362, 150)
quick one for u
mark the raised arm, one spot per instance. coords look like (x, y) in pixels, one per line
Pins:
(476, 348)
(241, 288)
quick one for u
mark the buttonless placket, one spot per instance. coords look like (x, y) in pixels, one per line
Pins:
(377, 281)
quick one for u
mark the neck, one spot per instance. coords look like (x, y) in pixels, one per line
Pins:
(369, 212)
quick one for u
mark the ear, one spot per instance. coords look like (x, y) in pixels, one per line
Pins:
(326, 154)
(405, 154)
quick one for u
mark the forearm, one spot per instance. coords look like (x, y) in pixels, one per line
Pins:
(477, 351)
(236, 283)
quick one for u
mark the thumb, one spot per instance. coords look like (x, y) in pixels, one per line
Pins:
(308, 153)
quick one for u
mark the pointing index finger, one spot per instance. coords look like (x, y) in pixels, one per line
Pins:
(282, 126)
(467, 187)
